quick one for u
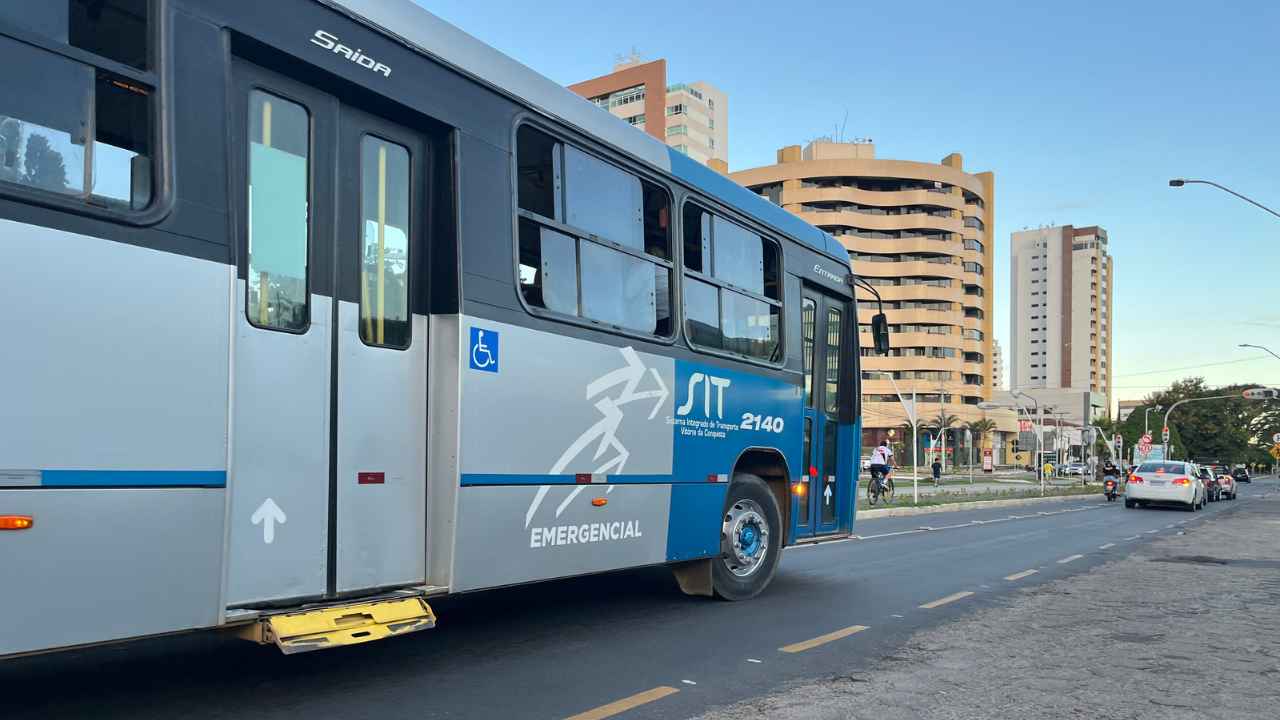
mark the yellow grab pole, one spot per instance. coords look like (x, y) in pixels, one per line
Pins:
(264, 278)
(382, 241)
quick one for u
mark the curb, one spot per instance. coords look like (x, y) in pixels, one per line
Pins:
(956, 507)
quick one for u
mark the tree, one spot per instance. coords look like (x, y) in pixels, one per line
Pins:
(45, 167)
(980, 428)
(940, 423)
(1229, 430)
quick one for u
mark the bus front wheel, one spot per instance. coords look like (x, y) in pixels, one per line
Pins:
(750, 540)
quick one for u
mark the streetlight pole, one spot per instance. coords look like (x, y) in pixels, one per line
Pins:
(1259, 347)
(1039, 435)
(910, 412)
(1146, 418)
(1179, 182)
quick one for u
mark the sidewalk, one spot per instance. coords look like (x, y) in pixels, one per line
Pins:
(1132, 638)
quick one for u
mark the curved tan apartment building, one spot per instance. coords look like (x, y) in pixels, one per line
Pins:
(920, 232)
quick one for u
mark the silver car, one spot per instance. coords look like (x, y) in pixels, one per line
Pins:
(1165, 482)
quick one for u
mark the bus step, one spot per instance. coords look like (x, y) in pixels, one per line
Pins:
(334, 626)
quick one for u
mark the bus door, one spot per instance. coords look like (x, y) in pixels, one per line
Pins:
(327, 446)
(824, 322)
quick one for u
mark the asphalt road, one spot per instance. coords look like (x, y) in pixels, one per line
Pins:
(622, 640)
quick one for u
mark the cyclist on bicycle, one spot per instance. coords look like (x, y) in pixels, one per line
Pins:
(881, 462)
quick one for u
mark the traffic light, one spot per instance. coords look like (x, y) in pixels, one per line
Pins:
(1261, 394)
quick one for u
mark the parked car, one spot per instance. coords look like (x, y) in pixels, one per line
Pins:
(1241, 475)
(1226, 483)
(1212, 491)
(1166, 482)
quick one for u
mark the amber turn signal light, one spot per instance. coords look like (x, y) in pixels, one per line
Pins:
(16, 522)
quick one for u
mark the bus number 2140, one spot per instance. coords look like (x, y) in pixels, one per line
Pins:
(752, 421)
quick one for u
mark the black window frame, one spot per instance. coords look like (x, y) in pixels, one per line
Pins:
(156, 79)
(562, 139)
(707, 206)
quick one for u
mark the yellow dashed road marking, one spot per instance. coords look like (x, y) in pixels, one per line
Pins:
(625, 704)
(943, 601)
(822, 639)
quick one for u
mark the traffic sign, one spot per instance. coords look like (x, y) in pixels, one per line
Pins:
(1144, 444)
(1276, 438)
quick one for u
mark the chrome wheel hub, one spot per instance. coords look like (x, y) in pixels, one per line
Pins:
(745, 538)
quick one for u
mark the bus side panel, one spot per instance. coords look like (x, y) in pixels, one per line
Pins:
(511, 534)
(694, 529)
(108, 564)
(538, 404)
(721, 412)
(580, 456)
(113, 437)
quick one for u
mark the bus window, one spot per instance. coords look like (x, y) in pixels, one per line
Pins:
(279, 143)
(52, 103)
(384, 251)
(750, 326)
(537, 172)
(43, 131)
(548, 268)
(602, 199)
(737, 274)
(832, 391)
(115, 29)
(121, 147)
(808, 321)
(697, 239)
(609, 259)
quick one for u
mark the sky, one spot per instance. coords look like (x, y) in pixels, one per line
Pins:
(1082, 110)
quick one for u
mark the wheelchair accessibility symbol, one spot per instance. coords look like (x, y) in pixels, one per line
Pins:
(484, 350)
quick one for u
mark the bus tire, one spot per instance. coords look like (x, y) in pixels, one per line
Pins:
(750, 540)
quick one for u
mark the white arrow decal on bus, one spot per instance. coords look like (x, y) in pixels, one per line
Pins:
(267, 515)
(629, 377)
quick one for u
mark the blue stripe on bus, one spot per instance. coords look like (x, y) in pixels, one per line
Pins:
(534, 479)
(133, 478)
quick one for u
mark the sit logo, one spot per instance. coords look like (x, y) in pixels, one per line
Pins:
(707, 382)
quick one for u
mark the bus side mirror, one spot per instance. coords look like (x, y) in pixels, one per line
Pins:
(880, 333)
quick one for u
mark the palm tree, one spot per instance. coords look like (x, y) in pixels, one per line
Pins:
(979, 430)
(940, 423)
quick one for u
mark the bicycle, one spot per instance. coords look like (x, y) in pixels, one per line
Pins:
(880, 486)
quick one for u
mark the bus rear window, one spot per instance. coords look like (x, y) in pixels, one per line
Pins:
(1161, 467)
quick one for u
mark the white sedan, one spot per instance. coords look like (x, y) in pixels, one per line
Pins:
(1166, 482)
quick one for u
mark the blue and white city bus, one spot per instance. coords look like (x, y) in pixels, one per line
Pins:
(316, 309)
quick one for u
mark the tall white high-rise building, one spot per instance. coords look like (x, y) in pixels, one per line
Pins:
(997, 365)
(1061, 316)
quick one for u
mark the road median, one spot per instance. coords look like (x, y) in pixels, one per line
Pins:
(958, 501)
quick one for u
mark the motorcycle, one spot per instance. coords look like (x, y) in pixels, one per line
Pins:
(1111, 487)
